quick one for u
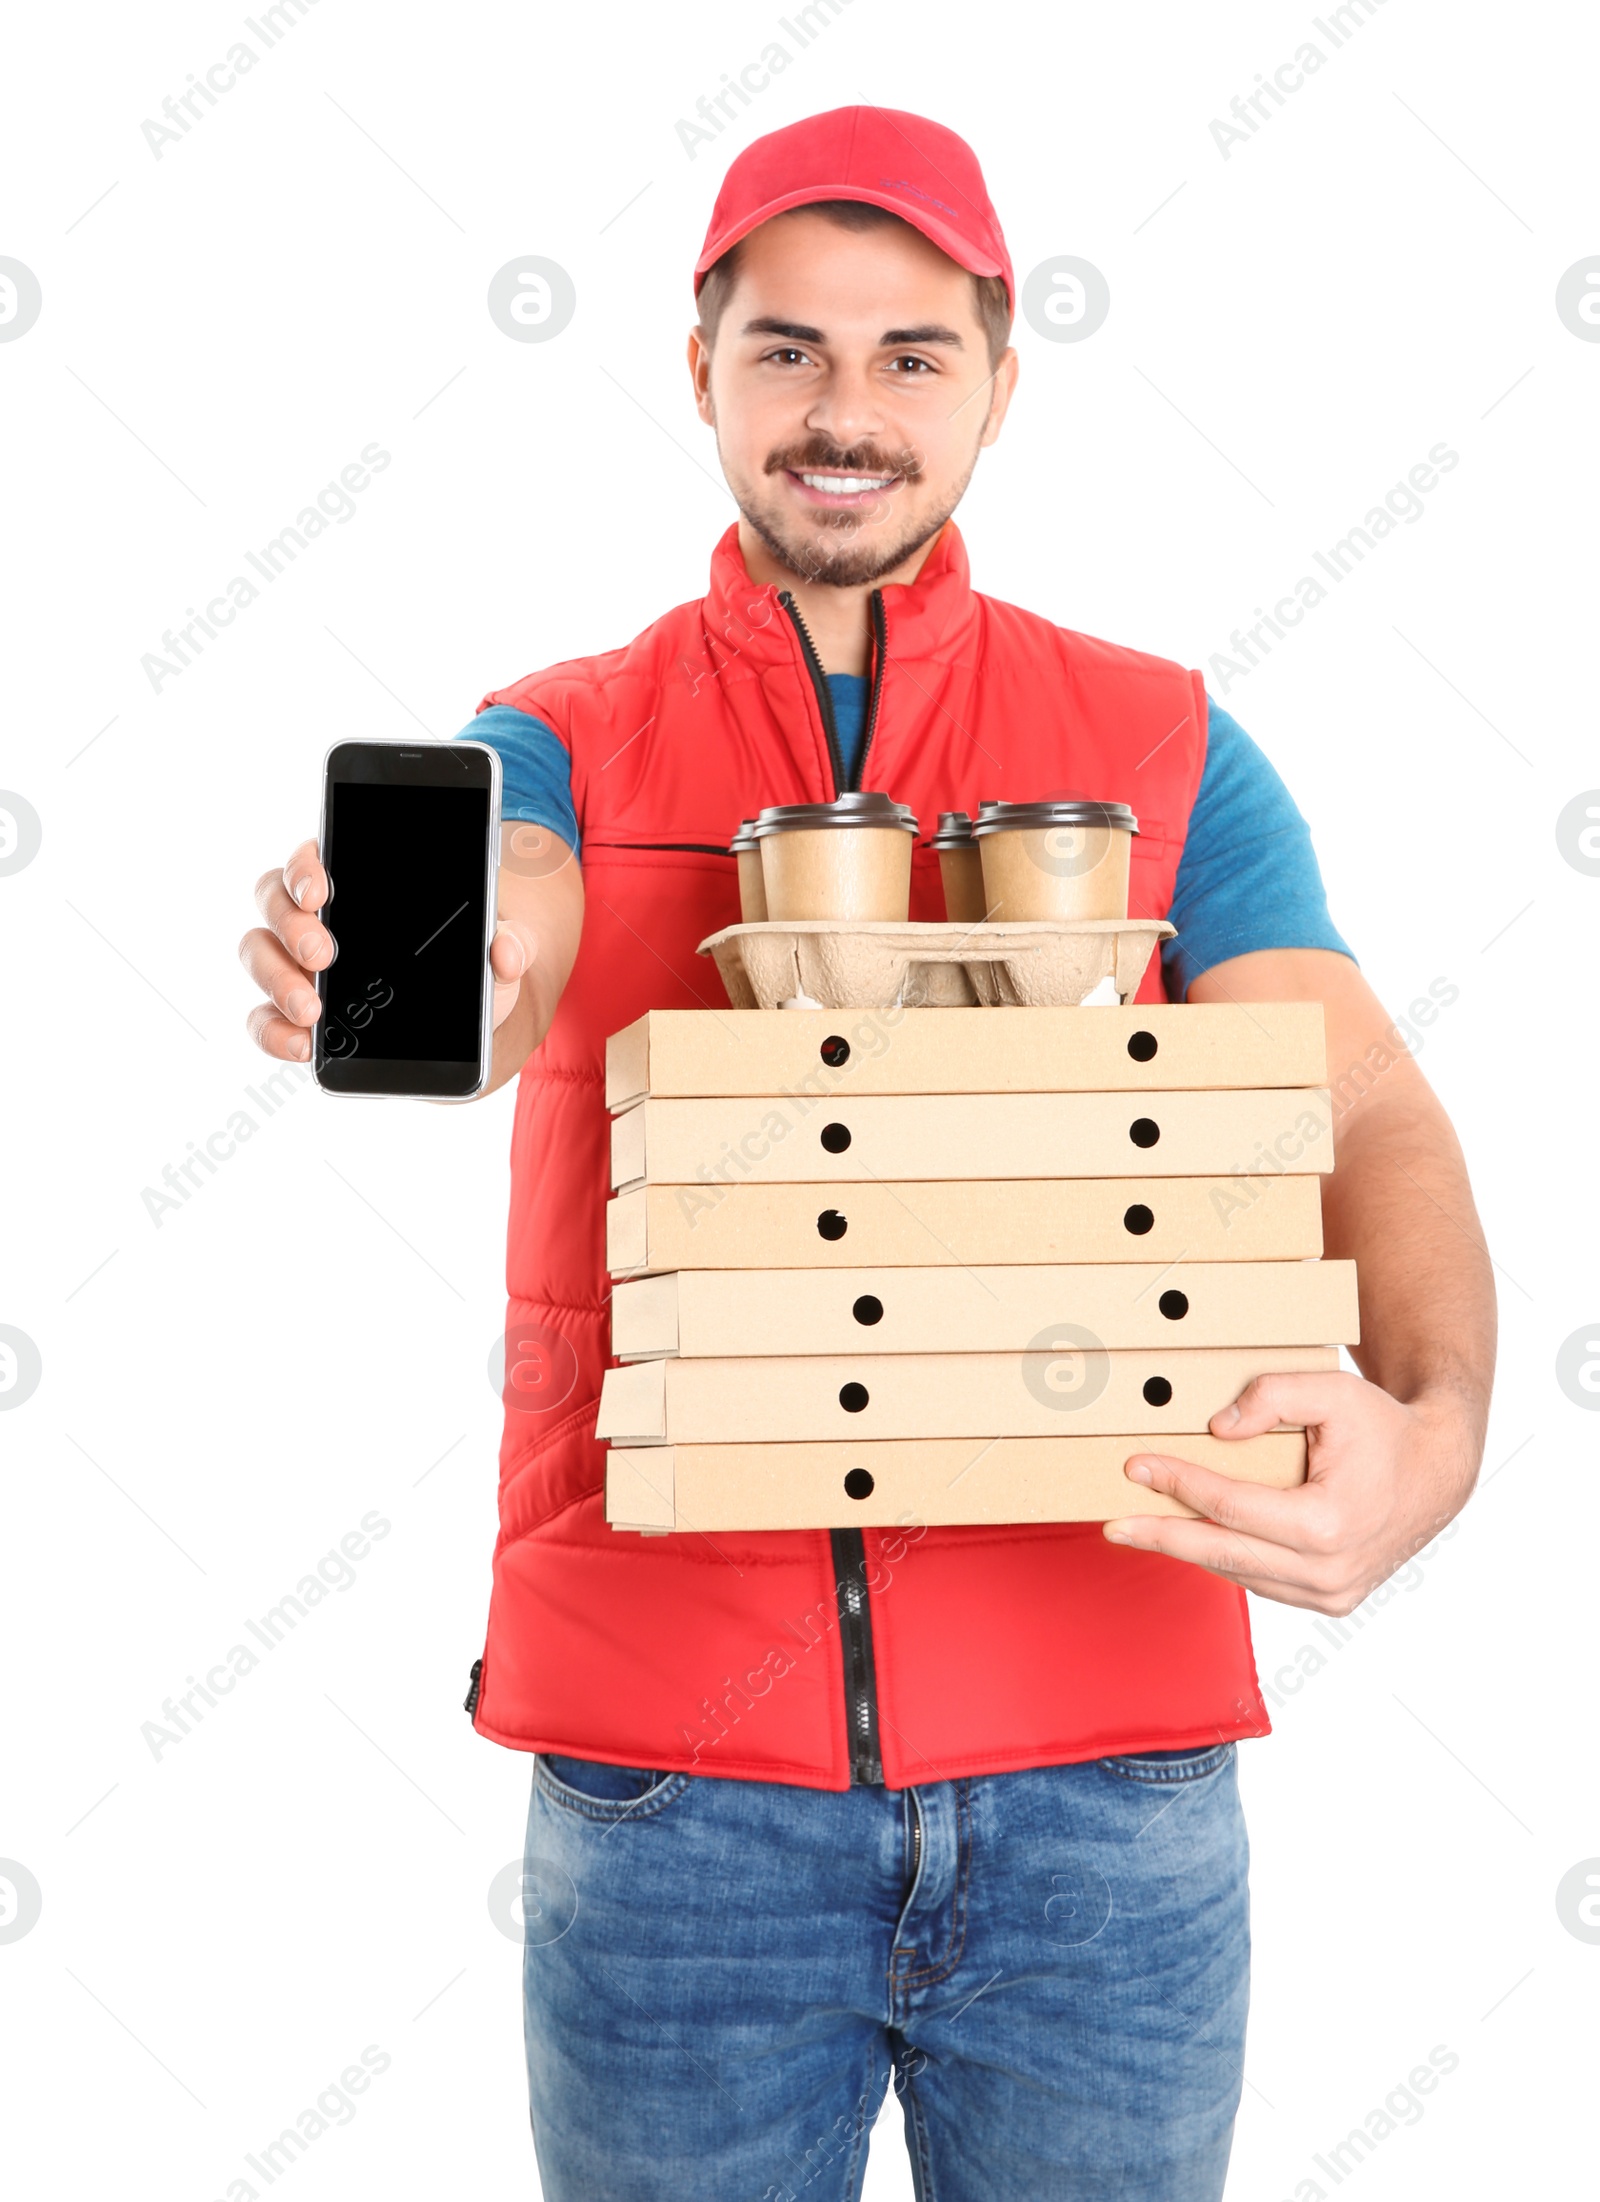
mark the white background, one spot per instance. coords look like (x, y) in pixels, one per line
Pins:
(225, 1396)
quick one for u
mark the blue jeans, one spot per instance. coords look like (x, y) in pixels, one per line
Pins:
(723, 1978)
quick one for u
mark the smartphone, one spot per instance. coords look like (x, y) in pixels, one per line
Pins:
(410, 841)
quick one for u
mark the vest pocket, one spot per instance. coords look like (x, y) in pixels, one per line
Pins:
(665, 848)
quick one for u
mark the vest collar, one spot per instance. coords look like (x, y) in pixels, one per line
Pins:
(927, 618)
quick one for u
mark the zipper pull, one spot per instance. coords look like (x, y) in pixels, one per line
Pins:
(470, 1704)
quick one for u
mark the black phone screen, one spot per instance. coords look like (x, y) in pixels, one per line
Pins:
(403, 1001)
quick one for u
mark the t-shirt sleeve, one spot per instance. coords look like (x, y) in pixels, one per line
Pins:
(1248, 877)
(535, 770)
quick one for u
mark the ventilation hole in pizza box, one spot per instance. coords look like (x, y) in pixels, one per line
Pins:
(1157, 1391)
(1142, 1046)
(858, 1484)
(1138, 1219)
(1174, 1305)
(853, 1397)
(835, 1052)
(868, 1309)
(1144, 1131)
(832, 1224)
(836, 1137)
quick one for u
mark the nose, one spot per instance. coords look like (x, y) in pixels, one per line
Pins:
(848, 408)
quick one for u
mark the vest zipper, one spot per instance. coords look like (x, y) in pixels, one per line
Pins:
(819, 684)
(880, 655)
(475, 1687)
(849, 1549)
(855, 1634)
(824, 694)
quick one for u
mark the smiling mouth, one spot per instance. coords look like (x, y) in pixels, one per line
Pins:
(843, 485)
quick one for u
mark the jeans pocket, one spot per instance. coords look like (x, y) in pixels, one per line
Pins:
(595, 1790)
(1171, 1766)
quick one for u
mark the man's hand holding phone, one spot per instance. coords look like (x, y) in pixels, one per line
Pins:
(429, 998)
(284, 955)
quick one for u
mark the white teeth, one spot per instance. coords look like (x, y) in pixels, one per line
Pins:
(845, 485)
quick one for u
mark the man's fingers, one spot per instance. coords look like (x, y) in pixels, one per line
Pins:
(286, 984)
(284, 955)
(1254, 1563)
(1275, 1542)
(1257, 1509)
(283, 961)
(274, 1036)
(1298, 1402)
(308, 941)
(1224, 1551)
(305, 879)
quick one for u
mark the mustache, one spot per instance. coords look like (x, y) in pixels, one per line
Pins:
(817, 455)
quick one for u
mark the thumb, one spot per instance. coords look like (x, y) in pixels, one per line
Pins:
(1282, 1401)
(512, 952)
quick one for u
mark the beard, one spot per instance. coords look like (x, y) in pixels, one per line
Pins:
(847, 550)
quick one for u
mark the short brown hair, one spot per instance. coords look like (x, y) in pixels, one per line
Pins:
(990, 298)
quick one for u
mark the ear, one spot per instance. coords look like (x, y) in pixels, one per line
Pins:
(1000, 394)
(700, 375)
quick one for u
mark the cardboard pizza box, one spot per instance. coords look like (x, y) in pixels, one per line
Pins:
(980, 1395)
(777, 1140)
(906, 1484)
(722, 1313)
(818, 1053)
(839, 1226)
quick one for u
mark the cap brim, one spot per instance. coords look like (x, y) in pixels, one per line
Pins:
(954, 246)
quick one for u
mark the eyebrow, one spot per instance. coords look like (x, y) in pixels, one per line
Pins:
(798, 332)
(769, 325)
(927, 332)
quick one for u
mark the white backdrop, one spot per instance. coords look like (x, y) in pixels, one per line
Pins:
(229, 1387)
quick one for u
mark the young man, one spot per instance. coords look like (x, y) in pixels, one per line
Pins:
(957, 1804)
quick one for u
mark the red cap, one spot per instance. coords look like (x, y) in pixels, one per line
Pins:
(915, 168)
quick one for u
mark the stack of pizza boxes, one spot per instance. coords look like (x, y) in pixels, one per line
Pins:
(949, 1266)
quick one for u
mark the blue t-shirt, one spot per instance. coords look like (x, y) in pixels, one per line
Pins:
(1247, 879)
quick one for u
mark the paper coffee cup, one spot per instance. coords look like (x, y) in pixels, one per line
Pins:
(1055, 860)
(960, 869)
(849, 859)
(746, 849)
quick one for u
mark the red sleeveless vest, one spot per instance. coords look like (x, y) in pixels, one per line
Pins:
(987, 1648)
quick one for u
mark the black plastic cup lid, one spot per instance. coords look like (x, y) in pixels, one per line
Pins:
(745, 838)
(1030, 817)
(858, 807)
(955, 830)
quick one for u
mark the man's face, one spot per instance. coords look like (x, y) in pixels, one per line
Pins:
(851, 392)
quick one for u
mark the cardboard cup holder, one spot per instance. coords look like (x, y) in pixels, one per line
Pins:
(837, 964)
